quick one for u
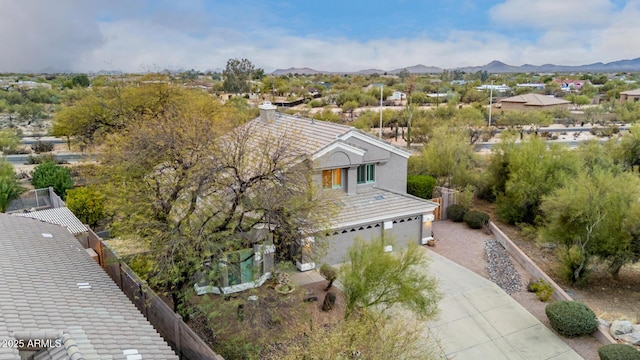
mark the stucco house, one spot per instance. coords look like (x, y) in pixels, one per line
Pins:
(366, 176)
(533, 102)
(630, 95)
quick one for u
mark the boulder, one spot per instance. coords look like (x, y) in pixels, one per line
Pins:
(631, 339)
(620, 327)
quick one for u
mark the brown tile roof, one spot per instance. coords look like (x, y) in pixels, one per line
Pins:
(49, 283)
(536, 100)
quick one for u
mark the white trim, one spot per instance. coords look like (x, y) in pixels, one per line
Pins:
(379, 143)
(337, 145)
(425, 240)
(428, 217)
(305, 266)
(379, 218)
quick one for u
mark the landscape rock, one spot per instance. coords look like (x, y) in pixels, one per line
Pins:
(500, 268)
(620, 327)
(603, 322)
(632, 339)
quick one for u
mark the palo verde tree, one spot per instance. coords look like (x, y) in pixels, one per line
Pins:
(594, 215)
(526, 173)
(190, 186)
(374, 281)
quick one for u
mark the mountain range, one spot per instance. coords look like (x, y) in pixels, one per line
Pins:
(492, 67)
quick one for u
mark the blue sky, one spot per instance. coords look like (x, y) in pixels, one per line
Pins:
(347, 35)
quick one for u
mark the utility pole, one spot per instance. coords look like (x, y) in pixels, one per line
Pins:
(490, 102)
(380, 132)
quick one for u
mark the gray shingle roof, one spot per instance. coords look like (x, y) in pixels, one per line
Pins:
(42, 267)
(58, 216)
(371, 205)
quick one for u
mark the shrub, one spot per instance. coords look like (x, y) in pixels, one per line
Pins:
(476, 219)
(42, 146)
(571, 318)
(456, 212)
(330, 273)
(618, 351)
(87, 204)
(543, 289)
(49, 174)
(421, 186)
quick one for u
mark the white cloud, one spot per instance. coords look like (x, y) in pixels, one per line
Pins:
(90, 36)
(552, 14)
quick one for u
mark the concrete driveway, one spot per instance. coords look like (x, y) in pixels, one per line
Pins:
(478, 320)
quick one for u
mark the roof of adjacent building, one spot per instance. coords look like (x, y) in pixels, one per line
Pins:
(535, 100)
(313, 135)
(51, 288)
(59, 216)
(634, 92)
(373, 204)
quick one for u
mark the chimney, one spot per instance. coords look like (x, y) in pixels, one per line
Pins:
(267, 112)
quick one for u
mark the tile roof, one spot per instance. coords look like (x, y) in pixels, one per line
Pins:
(536, 100)
(634, 92)
(314, 135)
(58, 216)
(374, 205)
(311, 135)
(43, 269)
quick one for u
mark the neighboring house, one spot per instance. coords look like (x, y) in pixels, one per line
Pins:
(501, 89)
(570, 85)
(533, 102)
(57, 303)
(368, 178)
(630, 95)
(397, 96)
(535, 86)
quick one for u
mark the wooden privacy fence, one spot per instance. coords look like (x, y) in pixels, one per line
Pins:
(182, 339)
(437, 213)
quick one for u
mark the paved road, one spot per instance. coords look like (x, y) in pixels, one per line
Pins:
(70, 157)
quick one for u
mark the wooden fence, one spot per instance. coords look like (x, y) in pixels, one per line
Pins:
(182, 339)
(437, 213)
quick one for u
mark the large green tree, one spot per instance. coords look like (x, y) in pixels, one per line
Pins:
(594, 215)
(237, 75)
(527, 172)
(190, 185)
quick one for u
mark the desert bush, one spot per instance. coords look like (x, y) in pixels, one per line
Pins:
(476, 219)
(21, 150)
(43, 158)
(42, 146)
(618, 351)
(543, 289)
(316, 103)
(49, 174)
(456, 212)
(421, 185)
(329, 273)
(571, 318)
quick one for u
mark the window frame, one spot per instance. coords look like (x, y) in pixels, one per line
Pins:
(366, 174)
(334, 174)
